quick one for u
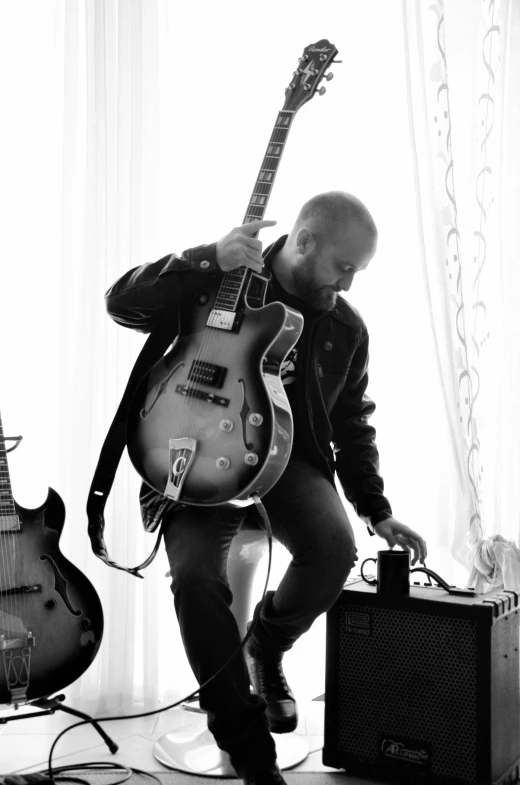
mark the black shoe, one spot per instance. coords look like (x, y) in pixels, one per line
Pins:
(268, 774)
(268, 680)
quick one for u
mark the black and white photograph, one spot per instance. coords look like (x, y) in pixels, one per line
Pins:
(259, 421)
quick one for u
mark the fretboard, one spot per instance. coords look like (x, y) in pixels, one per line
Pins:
(232, 283)
(6, 493)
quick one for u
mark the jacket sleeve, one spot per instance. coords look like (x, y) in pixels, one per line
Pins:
(138, 299)
(357, 457)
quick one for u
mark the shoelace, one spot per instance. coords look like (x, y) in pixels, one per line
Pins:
(270, 675)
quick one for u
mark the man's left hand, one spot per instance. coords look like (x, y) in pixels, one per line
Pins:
(396, 533)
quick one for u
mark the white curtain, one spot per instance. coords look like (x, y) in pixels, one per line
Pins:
(137, 129)
(110, 213)
(463, 70)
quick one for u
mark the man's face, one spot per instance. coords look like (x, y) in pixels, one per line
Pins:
(320, 275)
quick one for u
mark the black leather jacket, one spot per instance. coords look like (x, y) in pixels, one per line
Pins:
(332, 366)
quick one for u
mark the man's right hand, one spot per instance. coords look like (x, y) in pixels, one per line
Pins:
(239, 248)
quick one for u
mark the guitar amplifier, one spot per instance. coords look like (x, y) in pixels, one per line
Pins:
(423, 687)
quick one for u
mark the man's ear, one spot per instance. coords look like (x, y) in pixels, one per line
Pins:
(304, 241)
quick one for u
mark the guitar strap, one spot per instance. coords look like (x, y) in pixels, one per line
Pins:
(154, 348)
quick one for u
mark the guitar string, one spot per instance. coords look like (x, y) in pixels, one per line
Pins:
(213, 339)
(5, 513)
(7, 547)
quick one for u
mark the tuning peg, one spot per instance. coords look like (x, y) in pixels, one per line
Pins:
(336, 61)
(329, 76)
(322, 90)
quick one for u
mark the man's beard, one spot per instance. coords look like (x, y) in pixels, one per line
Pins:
(314, 294)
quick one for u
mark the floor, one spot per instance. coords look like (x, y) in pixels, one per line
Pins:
(25, 744)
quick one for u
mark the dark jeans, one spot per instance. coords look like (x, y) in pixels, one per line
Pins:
(308, 517)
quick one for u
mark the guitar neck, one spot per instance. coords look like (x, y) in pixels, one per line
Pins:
(232, 283)
(311, 69)
(264, 182)
(7, 507)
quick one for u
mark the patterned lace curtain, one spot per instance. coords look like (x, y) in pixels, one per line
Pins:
(463, 73)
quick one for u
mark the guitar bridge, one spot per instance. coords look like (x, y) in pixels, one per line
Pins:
(16, 654)
(182, 453)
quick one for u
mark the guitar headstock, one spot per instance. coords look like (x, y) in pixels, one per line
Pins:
(311, 69)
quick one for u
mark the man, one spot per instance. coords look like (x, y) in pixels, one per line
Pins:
(325, 377)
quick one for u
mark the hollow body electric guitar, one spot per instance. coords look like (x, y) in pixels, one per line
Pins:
(51, 620)
(210, 423)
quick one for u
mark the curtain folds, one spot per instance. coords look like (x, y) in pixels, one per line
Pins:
(462, 72)
(110, 187)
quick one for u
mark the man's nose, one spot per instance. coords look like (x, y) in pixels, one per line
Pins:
(345, 282)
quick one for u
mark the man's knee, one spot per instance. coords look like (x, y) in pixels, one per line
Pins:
(338, 553)
(190, 576)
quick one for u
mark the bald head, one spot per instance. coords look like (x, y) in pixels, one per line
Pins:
(327, 217)
(333, 239)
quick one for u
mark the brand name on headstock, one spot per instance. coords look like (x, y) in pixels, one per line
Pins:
(323, 49)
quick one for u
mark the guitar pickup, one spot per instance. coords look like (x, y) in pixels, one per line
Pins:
(192, 392)
(10, 523)
(207, 373)
(222, 319)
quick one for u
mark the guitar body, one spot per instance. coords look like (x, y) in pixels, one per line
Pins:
(238, 428)
(51, 629)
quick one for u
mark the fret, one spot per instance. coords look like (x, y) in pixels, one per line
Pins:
(229, 293)
(270, 160)
(283, 121)
(230, 290)
(231, 285)
(262, 188)
(233, 274)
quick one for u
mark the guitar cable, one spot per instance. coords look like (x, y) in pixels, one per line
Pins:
(48, 776)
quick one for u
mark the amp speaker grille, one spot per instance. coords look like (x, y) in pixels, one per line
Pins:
(423, 687)
(405, 688)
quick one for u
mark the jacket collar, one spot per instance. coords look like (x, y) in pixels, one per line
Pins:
(271, 251)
